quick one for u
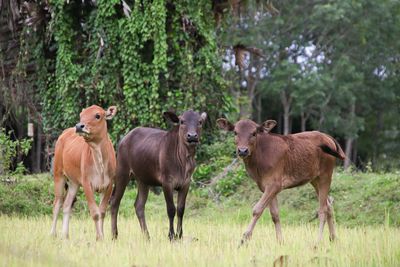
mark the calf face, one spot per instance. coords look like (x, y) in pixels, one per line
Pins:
(92, 122)
(246, 133)
(190, 125)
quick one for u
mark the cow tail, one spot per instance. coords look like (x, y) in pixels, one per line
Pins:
(337, 152)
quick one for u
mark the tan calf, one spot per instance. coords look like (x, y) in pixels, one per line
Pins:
(84, 155)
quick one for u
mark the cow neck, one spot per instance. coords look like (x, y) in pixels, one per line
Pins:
(99, 152)
(184, 153)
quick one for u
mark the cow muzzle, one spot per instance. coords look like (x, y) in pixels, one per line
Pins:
(80, 129)
(243, 152)
(192, 138)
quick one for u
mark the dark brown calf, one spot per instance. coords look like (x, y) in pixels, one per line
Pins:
(158, 158)
(276, 162)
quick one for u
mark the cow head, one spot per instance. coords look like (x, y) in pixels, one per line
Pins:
(190, 124)
(92, 124)
(246, 132)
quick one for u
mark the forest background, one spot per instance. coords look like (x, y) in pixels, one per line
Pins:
(331, 66)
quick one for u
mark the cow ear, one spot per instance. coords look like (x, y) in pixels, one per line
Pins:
(171, 116)
(203, 116)
(110, 113)
(225, 124)
(267, 126)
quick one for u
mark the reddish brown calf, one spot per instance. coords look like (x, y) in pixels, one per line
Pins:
(84, 155)
(276, 162)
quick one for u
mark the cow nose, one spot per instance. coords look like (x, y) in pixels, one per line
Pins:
(192, 136)
(79, 127)
(243, 151)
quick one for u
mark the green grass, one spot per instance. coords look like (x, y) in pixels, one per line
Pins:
(367, 210)
(26, 242)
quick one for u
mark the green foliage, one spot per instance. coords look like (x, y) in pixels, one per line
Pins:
(228, 185)
(215, 157)
(27, 196)
(9, 151)
(331, 70)
(158, 56)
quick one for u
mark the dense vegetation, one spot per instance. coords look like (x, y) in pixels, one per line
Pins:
(331, 65)
(359, 199)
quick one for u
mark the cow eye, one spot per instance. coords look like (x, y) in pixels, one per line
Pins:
(200, 122)
(235, 133)
(254, 134)
(97, 116)
(182, 122)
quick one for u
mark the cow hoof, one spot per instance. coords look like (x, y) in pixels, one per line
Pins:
(243, 242)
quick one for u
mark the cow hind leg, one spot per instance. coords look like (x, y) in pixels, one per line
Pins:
(59, 183)
(140, 202)
(322, 186)
(331, 220)
(67, 207)
(121, 181)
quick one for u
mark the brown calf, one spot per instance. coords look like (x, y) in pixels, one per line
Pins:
(276, 162)
(158, 158)
(84, 155)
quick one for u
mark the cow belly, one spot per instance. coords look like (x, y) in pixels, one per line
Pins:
(290, 182)
(150, 180)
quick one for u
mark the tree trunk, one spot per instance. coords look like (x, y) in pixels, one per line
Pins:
(303, 122)
(350, 140)
(258, 108)
(279, 126)
(1, 160)
(286, 103)
(39, 140)
(376, 145)
(349, 145)
(355, 151)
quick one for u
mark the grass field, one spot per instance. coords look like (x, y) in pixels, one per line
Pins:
(367, 211)
(26, 242)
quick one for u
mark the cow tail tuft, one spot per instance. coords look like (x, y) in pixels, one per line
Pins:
(338, 152)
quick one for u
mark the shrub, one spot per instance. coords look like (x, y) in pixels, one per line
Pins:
(214, 158)
(9, 151)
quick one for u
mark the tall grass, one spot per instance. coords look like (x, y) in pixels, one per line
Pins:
(206, 242)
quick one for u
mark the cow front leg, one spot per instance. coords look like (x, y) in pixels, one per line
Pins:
(181, 209)
(93, 208)
(171, 210)
(274, 211)
(270, 193)
(105, 198)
